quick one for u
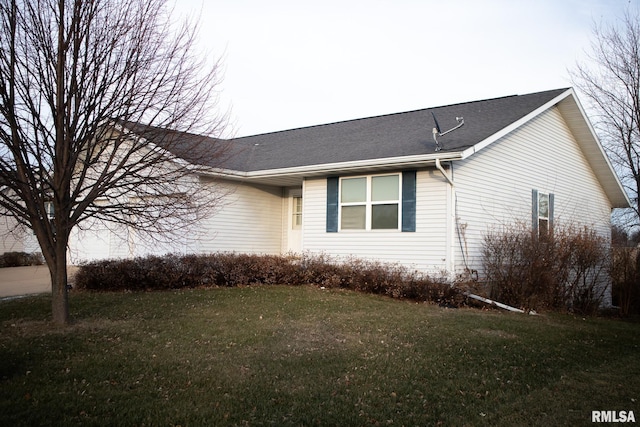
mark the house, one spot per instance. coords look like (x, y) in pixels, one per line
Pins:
(392, 188)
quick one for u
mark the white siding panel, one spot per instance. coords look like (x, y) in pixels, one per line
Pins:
(97, 240)
(88, 245)
(249, 221)
(16, 238)
(120, 242)
(424, 249)
(12, 237)
(494, 186)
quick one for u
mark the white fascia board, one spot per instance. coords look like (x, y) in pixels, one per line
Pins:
(402, 162)
(611, 176)
(513, 126)
(601, 152)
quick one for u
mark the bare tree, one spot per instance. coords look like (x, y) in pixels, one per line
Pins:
(100, 103)
(610, 79)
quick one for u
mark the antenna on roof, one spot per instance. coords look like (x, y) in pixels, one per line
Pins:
(437, 132)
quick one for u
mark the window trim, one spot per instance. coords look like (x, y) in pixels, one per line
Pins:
(369, 203)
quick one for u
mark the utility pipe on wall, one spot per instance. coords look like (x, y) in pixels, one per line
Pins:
(451, 231)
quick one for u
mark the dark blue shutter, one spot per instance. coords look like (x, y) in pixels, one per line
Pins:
(551, 211)
(332, 204)
(534, 211)
(409, 201)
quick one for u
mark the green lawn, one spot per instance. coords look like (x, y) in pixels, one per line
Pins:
(306, 356)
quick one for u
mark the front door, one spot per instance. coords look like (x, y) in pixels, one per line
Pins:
(295, 221)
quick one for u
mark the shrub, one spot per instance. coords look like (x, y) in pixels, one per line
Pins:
(20, 259)
(567, 269)
(625, 278)
(587, 277)
(232, 269)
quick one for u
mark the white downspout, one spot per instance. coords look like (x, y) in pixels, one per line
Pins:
(451, 265)
(495, 303)
(445, 173)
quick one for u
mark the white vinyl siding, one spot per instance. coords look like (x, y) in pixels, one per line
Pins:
(250, 220)
(12, 238)
(424, 249)
(494, 186)
(16, 238)
(101, 240)
(96, 241)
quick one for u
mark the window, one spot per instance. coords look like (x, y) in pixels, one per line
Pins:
(370, 203)
(334, 204)
(296, 220)
(542, 213)
(48, 206)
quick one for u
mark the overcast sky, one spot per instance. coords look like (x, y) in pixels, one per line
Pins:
(290, 64)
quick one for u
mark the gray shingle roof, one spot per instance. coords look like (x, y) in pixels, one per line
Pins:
(391, 135)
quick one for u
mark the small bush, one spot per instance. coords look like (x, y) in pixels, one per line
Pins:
(567, 269)
(231, 269)
(20, 259)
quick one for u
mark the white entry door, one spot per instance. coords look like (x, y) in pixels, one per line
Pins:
(295, 221)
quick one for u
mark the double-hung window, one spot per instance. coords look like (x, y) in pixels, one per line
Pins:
(370, 202)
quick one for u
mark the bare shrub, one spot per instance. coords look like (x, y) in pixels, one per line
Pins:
(232, 269)
(587, 281)
(567, 269)
(20, 259)
(518, 268)
(625, 278)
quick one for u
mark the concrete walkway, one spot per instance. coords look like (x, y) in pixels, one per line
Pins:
(15, 281)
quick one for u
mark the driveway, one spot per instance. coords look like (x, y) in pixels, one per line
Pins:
(15, 281)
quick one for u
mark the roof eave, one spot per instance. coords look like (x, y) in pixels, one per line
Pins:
(598, 160)
(293, 176)
(515, 125)
(596, 155)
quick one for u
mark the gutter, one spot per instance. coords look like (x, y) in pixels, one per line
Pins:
(390, 163)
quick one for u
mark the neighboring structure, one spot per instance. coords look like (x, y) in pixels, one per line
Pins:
(382, 187)
(15, 237)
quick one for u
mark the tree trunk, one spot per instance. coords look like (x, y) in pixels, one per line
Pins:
(59, 294)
